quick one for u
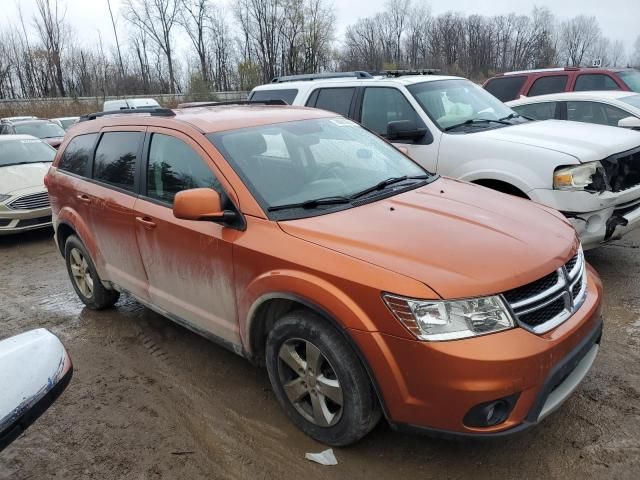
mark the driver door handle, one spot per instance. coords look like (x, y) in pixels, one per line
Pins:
(84, 198)
(146, 222)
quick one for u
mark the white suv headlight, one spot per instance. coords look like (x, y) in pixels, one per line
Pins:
(588, 176)
(450, 320)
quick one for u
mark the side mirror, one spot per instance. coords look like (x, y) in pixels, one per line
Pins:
(630, 122)
(405, 130)
(199, 204)
(34, 370)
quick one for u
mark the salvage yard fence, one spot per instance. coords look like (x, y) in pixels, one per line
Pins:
(70, 106)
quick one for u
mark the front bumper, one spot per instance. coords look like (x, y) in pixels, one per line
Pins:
(16, 221)
(433, 385)
(597, 217)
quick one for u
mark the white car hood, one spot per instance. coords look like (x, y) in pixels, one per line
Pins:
(586, 142)
(19, 177)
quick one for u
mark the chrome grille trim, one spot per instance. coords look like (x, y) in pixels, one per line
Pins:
(563, 290)
(31, 202)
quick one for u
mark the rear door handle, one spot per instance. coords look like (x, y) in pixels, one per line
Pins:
(84, 198)
(146, 222)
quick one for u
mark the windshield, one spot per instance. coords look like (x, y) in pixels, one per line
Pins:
(40, 129)
(633, 100)
(13, 152)
(631, 78)
(67, 122)
(454, 102)
(329, 160)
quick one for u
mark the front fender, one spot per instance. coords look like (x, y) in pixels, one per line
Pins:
(305, 288)
(499, 175)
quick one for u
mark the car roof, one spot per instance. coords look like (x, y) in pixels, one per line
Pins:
(35, 120)
(551, 71)
(9, 138)
(403, 80)
(210, 119)
(568, 96)
(65, 118)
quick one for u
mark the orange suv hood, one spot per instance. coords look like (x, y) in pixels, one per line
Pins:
(461, 240)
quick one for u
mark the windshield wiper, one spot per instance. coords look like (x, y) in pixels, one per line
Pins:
(313, 203)
(385, 183)
(475, 121)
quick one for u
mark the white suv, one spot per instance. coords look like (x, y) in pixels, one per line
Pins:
(451, 126)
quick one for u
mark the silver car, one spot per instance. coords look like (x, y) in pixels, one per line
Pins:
(24, 200)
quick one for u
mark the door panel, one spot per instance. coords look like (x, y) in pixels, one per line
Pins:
(189, 263)
(110, 199)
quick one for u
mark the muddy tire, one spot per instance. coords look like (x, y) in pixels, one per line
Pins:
(319, 380)
(84, 278)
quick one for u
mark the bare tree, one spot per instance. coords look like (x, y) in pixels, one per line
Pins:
(115, 34)
(157, 19)
(617, 54)
(194, 19)
(579, 36)
(50, 24)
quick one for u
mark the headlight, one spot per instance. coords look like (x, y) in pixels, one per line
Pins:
(589, 176)
(450, 320)
(4, 197)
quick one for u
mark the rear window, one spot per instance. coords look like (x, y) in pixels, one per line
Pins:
(116, 156)
(631, 78)
(595, 81)
(505, 88)
(336, 100)
(547, 85)
(288, 95)
(40, 129)
(78, 154)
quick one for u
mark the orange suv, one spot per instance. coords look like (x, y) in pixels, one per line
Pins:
(365, 284)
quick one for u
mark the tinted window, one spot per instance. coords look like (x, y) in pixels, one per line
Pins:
(537, 111)
(505, 88)
(593, 81)
(383, 105)
(14, 152)
(40, 129)
(631, 78)
(546, 85)
(594, 112)
(115, 161)
(174, 166)
(287, 95)
(78, 154)
(336, 100)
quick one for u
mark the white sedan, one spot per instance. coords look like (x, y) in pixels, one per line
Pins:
(24, 201)
(614, 108)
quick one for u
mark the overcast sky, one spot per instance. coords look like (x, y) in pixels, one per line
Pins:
(619, 19)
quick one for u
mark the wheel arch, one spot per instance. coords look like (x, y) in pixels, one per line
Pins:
(270, 307)
(501, 186)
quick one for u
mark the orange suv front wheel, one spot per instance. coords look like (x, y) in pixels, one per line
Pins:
(319, 380)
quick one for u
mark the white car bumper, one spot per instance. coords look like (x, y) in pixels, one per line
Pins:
(597, 217)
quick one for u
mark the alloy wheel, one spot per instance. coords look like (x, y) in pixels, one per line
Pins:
(81, 272)
(310, 382)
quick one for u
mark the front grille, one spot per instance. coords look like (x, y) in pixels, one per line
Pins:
(5, 221)
(30, 222)
(544, 304)
(623, 170)
(31, 202)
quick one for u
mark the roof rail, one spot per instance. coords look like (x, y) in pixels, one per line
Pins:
(320, 76)
(233, 102)
(536, 70)
(154, 112)
(417, 71)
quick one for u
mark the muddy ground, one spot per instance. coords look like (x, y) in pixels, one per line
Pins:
(150, 399)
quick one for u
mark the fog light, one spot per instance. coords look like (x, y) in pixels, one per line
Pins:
(491, 413)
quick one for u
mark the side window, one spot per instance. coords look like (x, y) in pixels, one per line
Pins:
(382, 105)
(174, 166)
(587, 112)
(595, 81)
(546, 85)
(505, 88)
(537, 111)
(614, 115)
(336, 100)
(115, 161)
(78, 155)
(288, 95)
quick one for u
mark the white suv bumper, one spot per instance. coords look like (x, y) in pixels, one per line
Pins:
(597, 217)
